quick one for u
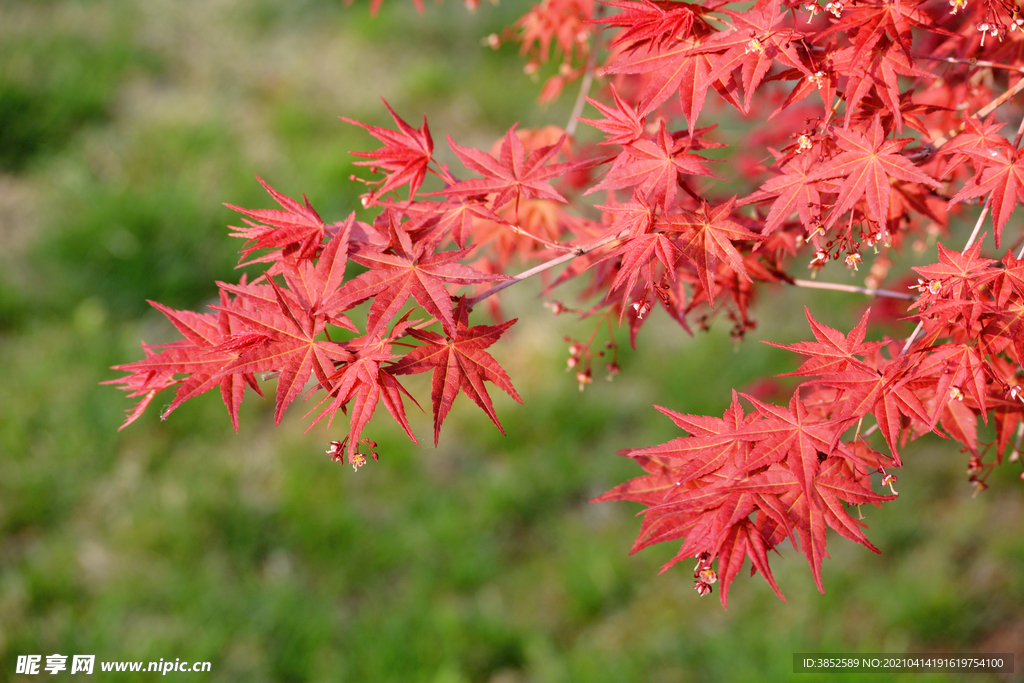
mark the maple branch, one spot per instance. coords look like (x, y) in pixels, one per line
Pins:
(870, 291)
(988, 200)
(984, 111)
(970, 62)
(547, 265)
(519, 231)
(1016, 445)
(911, 338)
(1020, 133)
(970, 241)
(588, 80)
(977, 225)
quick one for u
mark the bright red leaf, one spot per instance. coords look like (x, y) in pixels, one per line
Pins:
(459, 363)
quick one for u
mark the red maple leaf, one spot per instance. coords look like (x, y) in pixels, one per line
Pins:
(639, 255)
(316, 286)
(879, 72)
(869, 21)
(408, 272)
(212, 342)
(291, 347)
(459, 362)
(977, 141)
(958, 371)
(795, 437)
(299, 225)
(622, 123)
(711, 446)
(675, 65)
(719, 521)
(887, 394)
(698, 487)
(737, 486)
(822, 505)
(143, 382)
(867, 164)
(406, 153)
(647, 23)
(956, 277)
(1003, 177)
(513, 175)
(795, 190)
(653, 167)
(833, 351)
(459, 218)
(363, 382)
(752, 46)
(1010, 280)
(707, 237)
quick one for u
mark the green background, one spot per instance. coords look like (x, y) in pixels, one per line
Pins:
(123, 127)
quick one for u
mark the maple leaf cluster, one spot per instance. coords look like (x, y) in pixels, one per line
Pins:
(872, 125)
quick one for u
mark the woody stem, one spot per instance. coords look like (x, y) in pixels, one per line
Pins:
(588, 80)
(547, 265)
(870, 291)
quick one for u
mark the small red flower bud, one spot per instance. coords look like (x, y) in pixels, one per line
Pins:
(557, 307)
(335, 450)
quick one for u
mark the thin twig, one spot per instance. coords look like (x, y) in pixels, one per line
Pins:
(970, 62)
(912, 337)
(517, 229)
(870, 291)
(978, 223)
(547, 265)
(984, 111)
(581, 99)
(588, 78)
(988, 199)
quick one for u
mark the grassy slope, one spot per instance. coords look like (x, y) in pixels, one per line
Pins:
(480, 560)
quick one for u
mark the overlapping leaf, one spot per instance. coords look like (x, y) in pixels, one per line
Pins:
(513, 175)
(868, 164)
(299, 225)
(408, 272)
(1002, 179)
(708, 237)
(292, 347)
(459, 362)
(406, 153)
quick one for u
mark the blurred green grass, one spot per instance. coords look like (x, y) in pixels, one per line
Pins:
(123, 126)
